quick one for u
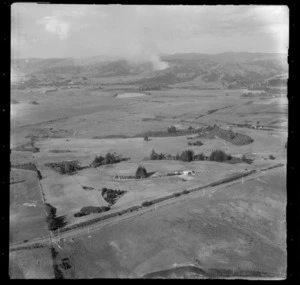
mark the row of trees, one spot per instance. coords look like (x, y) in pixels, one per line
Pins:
(189, 155)
(197, 143)
(110, 158)
(65, 167)
(157, 156)
(91, 210)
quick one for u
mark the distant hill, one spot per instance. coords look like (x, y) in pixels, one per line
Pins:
(224, 70)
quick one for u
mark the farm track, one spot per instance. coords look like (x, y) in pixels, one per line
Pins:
(194, 193)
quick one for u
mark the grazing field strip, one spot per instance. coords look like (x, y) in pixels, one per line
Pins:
(170, 199)
(46, 122)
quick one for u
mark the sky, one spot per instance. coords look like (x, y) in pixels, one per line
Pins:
(139, 32)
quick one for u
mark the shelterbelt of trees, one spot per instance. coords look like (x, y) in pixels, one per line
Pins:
(189, 155)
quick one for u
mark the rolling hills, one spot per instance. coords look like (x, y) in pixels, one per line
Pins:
(203, 71)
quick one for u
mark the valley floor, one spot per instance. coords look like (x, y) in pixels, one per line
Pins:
(237, 231)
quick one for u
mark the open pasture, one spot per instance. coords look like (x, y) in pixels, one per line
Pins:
(27, 214)
(31, 264)
(238, 228)
(88, 114)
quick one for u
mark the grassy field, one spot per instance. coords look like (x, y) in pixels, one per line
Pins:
(66, 193)
(241, 227)
(27, 215)
(31, 264)
(238, 228)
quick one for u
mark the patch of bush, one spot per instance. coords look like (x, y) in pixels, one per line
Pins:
(141, 172)
(146, 204)
(172, 130)
(220, 156)
(177, 194)
(111, 196)
(87, 188)
(79, 214)
(94, 210)
(197, 143)
(57, 272)
(60, 150)
(91, 210)
(187, 155)
(272, 157)
(200, 156)
(246, 160)
(65, 167)
(52, 220)
(212, 111)
(27, 166)
(40, 177)
(169, 157)
(110, 158)
(157, 156)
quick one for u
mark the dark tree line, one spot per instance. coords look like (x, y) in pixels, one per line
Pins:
(91, 210)
(189, 155)
(65, 167)
(110, 158)
(197, 143)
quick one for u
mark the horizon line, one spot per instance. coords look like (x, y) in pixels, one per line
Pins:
(159, 54)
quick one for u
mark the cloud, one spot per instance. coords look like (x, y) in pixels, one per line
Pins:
(140, 32)
(56, 26)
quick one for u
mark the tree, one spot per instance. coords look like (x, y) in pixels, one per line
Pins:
(161, 156)
(199, 156)
(219, 155)
(153, 155)
(146, 204)
(172, 130)
(69, 167)
(140, 172)
(187, 155)
(109, 158)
